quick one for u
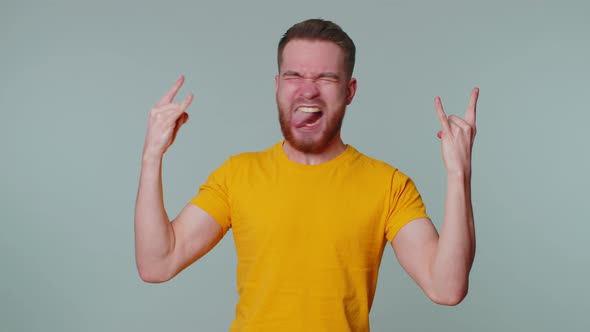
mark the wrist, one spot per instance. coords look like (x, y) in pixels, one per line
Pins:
(151, 158)
(461, 176)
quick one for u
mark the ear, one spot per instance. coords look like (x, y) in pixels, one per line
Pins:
(276, 83)
(351, 90)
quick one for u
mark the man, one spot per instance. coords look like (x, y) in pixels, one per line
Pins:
(310, 215)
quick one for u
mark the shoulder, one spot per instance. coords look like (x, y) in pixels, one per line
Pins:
(381, 169)
(372, 164)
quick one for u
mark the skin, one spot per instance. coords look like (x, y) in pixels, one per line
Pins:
(312, 74)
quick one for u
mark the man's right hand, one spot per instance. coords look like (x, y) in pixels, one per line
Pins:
(164, 248)
(164, 121)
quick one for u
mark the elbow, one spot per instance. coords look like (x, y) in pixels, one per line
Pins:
(450, 296)
(449, 300)
(152, 278)
(152, 275)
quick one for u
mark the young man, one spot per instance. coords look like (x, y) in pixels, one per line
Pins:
(310, 215)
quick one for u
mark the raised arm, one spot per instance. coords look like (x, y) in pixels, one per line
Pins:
(162, 248)
(440, 265)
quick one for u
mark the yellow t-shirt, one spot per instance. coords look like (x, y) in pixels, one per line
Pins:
(309, 238)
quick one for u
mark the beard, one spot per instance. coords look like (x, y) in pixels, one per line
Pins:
(308, 144)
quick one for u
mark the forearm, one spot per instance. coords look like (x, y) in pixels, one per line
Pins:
(456, 245)
(154, 237)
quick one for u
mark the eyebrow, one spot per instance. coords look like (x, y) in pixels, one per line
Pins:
(329, 75)
(291, 73)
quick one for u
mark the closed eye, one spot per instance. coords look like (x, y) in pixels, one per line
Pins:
(329, 77)
(322, 77)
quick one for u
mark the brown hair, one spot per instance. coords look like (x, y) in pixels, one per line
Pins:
(319, 29)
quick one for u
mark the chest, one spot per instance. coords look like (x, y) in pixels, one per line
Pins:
(328, 217)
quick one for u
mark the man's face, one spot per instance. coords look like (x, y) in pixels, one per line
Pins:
(312, 92)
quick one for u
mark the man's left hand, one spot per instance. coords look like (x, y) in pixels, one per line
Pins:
(457, 136)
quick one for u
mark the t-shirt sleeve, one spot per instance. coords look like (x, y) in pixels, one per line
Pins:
(405, 204)
(213, 196)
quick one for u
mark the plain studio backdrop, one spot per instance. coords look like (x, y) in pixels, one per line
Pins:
(78, 78)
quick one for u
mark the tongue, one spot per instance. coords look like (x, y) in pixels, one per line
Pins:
(302, 118)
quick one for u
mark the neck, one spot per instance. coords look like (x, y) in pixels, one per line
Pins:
(331, 151)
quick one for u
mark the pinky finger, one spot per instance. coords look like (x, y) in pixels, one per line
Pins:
(186, 103)
(442, 117)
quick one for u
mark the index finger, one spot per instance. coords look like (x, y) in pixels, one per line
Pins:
(471, 107)
(169, 96)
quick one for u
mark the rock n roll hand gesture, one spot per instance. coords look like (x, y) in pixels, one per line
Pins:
(164, 121)
(457, 136)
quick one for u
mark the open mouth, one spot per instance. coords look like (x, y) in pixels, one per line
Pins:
(307, 117)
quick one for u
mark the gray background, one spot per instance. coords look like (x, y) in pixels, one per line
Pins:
(78, 78)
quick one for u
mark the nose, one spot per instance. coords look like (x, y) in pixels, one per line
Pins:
(309, 89)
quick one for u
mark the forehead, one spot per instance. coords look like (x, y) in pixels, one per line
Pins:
(312, 56)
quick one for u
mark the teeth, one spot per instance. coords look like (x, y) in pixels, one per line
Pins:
(309, 109)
